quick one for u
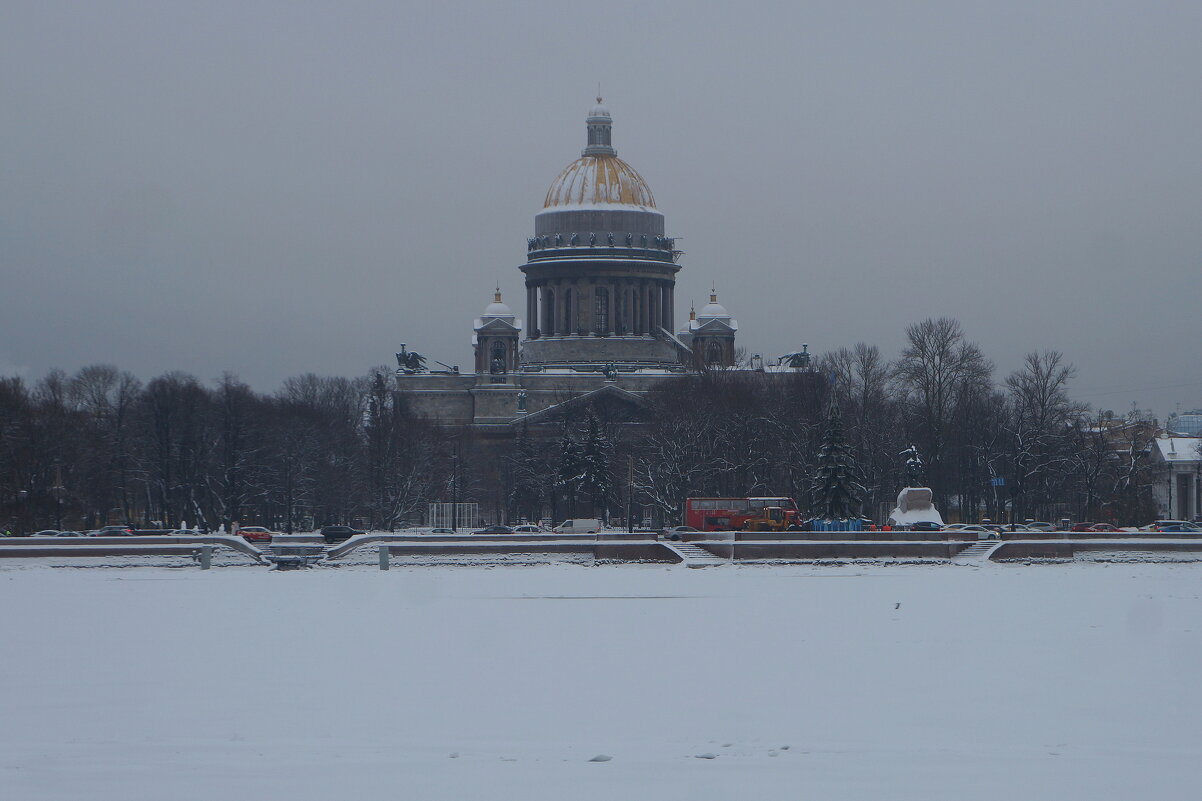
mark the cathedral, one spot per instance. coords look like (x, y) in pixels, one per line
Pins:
(599, 324)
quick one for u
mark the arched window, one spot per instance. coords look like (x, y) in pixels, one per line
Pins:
(713, 353)
(496, 361)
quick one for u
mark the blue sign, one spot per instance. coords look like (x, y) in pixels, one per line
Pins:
(998, 481)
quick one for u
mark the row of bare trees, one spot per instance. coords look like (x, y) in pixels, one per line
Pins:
(1020, 447)
(99, 447)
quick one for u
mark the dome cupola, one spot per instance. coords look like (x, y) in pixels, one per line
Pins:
(497, 310)
(713, 310)
(600, 132)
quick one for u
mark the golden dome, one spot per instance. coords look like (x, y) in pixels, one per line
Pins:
(599, 181)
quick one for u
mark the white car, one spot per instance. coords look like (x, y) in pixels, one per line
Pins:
(527, 529)
(981, 532)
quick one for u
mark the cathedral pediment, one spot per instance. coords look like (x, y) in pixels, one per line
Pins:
(610, 403)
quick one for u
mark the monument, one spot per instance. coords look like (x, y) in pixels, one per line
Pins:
(914, 501)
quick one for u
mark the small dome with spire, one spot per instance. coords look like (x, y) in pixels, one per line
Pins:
(712, 315)
(599, 112)
(713, 310)
(497, 309)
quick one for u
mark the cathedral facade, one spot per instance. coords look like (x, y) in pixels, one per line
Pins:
(600, 278)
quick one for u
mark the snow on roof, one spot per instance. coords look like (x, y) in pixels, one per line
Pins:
(1179, 449)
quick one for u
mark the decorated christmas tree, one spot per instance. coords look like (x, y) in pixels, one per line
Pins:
(836, 489)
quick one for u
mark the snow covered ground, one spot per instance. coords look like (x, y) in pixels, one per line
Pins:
(1051, 681)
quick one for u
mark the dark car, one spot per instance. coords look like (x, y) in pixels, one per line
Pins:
(332, 534)
(114, 531)
(494, 530)
(925, 525)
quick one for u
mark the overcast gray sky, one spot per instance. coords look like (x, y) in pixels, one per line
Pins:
(278, 188)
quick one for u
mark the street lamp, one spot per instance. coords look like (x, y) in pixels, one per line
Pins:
(455, 491)
(23, 503)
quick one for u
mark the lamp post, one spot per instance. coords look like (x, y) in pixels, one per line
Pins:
(58, 491)
(23, 503)
(630, 496)
(455, 490)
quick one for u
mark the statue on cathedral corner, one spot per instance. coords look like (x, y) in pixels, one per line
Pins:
(410, 362)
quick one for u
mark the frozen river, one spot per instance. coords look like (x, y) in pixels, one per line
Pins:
(1065, 681)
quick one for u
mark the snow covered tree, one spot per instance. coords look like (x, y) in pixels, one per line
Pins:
(836, 489)
(568, 474)
(528, 480)
(596, 477)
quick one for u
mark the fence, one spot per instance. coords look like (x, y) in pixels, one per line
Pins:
(453, 515)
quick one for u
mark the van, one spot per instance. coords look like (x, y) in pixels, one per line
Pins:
(579, 525)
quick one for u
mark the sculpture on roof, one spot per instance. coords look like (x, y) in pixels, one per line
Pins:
(410, 361)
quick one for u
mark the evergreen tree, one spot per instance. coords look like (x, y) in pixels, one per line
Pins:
(596, 477)
(528, 478)
(568, 474)
(836, 488)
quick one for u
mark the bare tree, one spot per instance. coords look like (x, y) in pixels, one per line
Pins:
(1040, 423)
(938, 369)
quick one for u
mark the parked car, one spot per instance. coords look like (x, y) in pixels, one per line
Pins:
(256, 533)
(442, 531)
(527, 529)
(925, 525)
(1035, 525)
(46, 532)
(494, 530)
(114, 531)
(1179, 528)
(1157, 525)
(981, 532)
(580, 525)
(332, 534)
(678, 532)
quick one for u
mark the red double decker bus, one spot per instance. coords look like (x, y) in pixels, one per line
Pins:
(743, 514)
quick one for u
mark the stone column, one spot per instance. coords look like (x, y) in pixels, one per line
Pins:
(645, 307)
(665, 305)
(531, 312)
(612, 289)
(627, 309)
(566, 300)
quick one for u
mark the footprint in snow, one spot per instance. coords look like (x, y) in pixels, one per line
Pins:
(601, 758)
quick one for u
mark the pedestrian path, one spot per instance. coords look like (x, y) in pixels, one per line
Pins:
(694, 555)
(978, 551)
